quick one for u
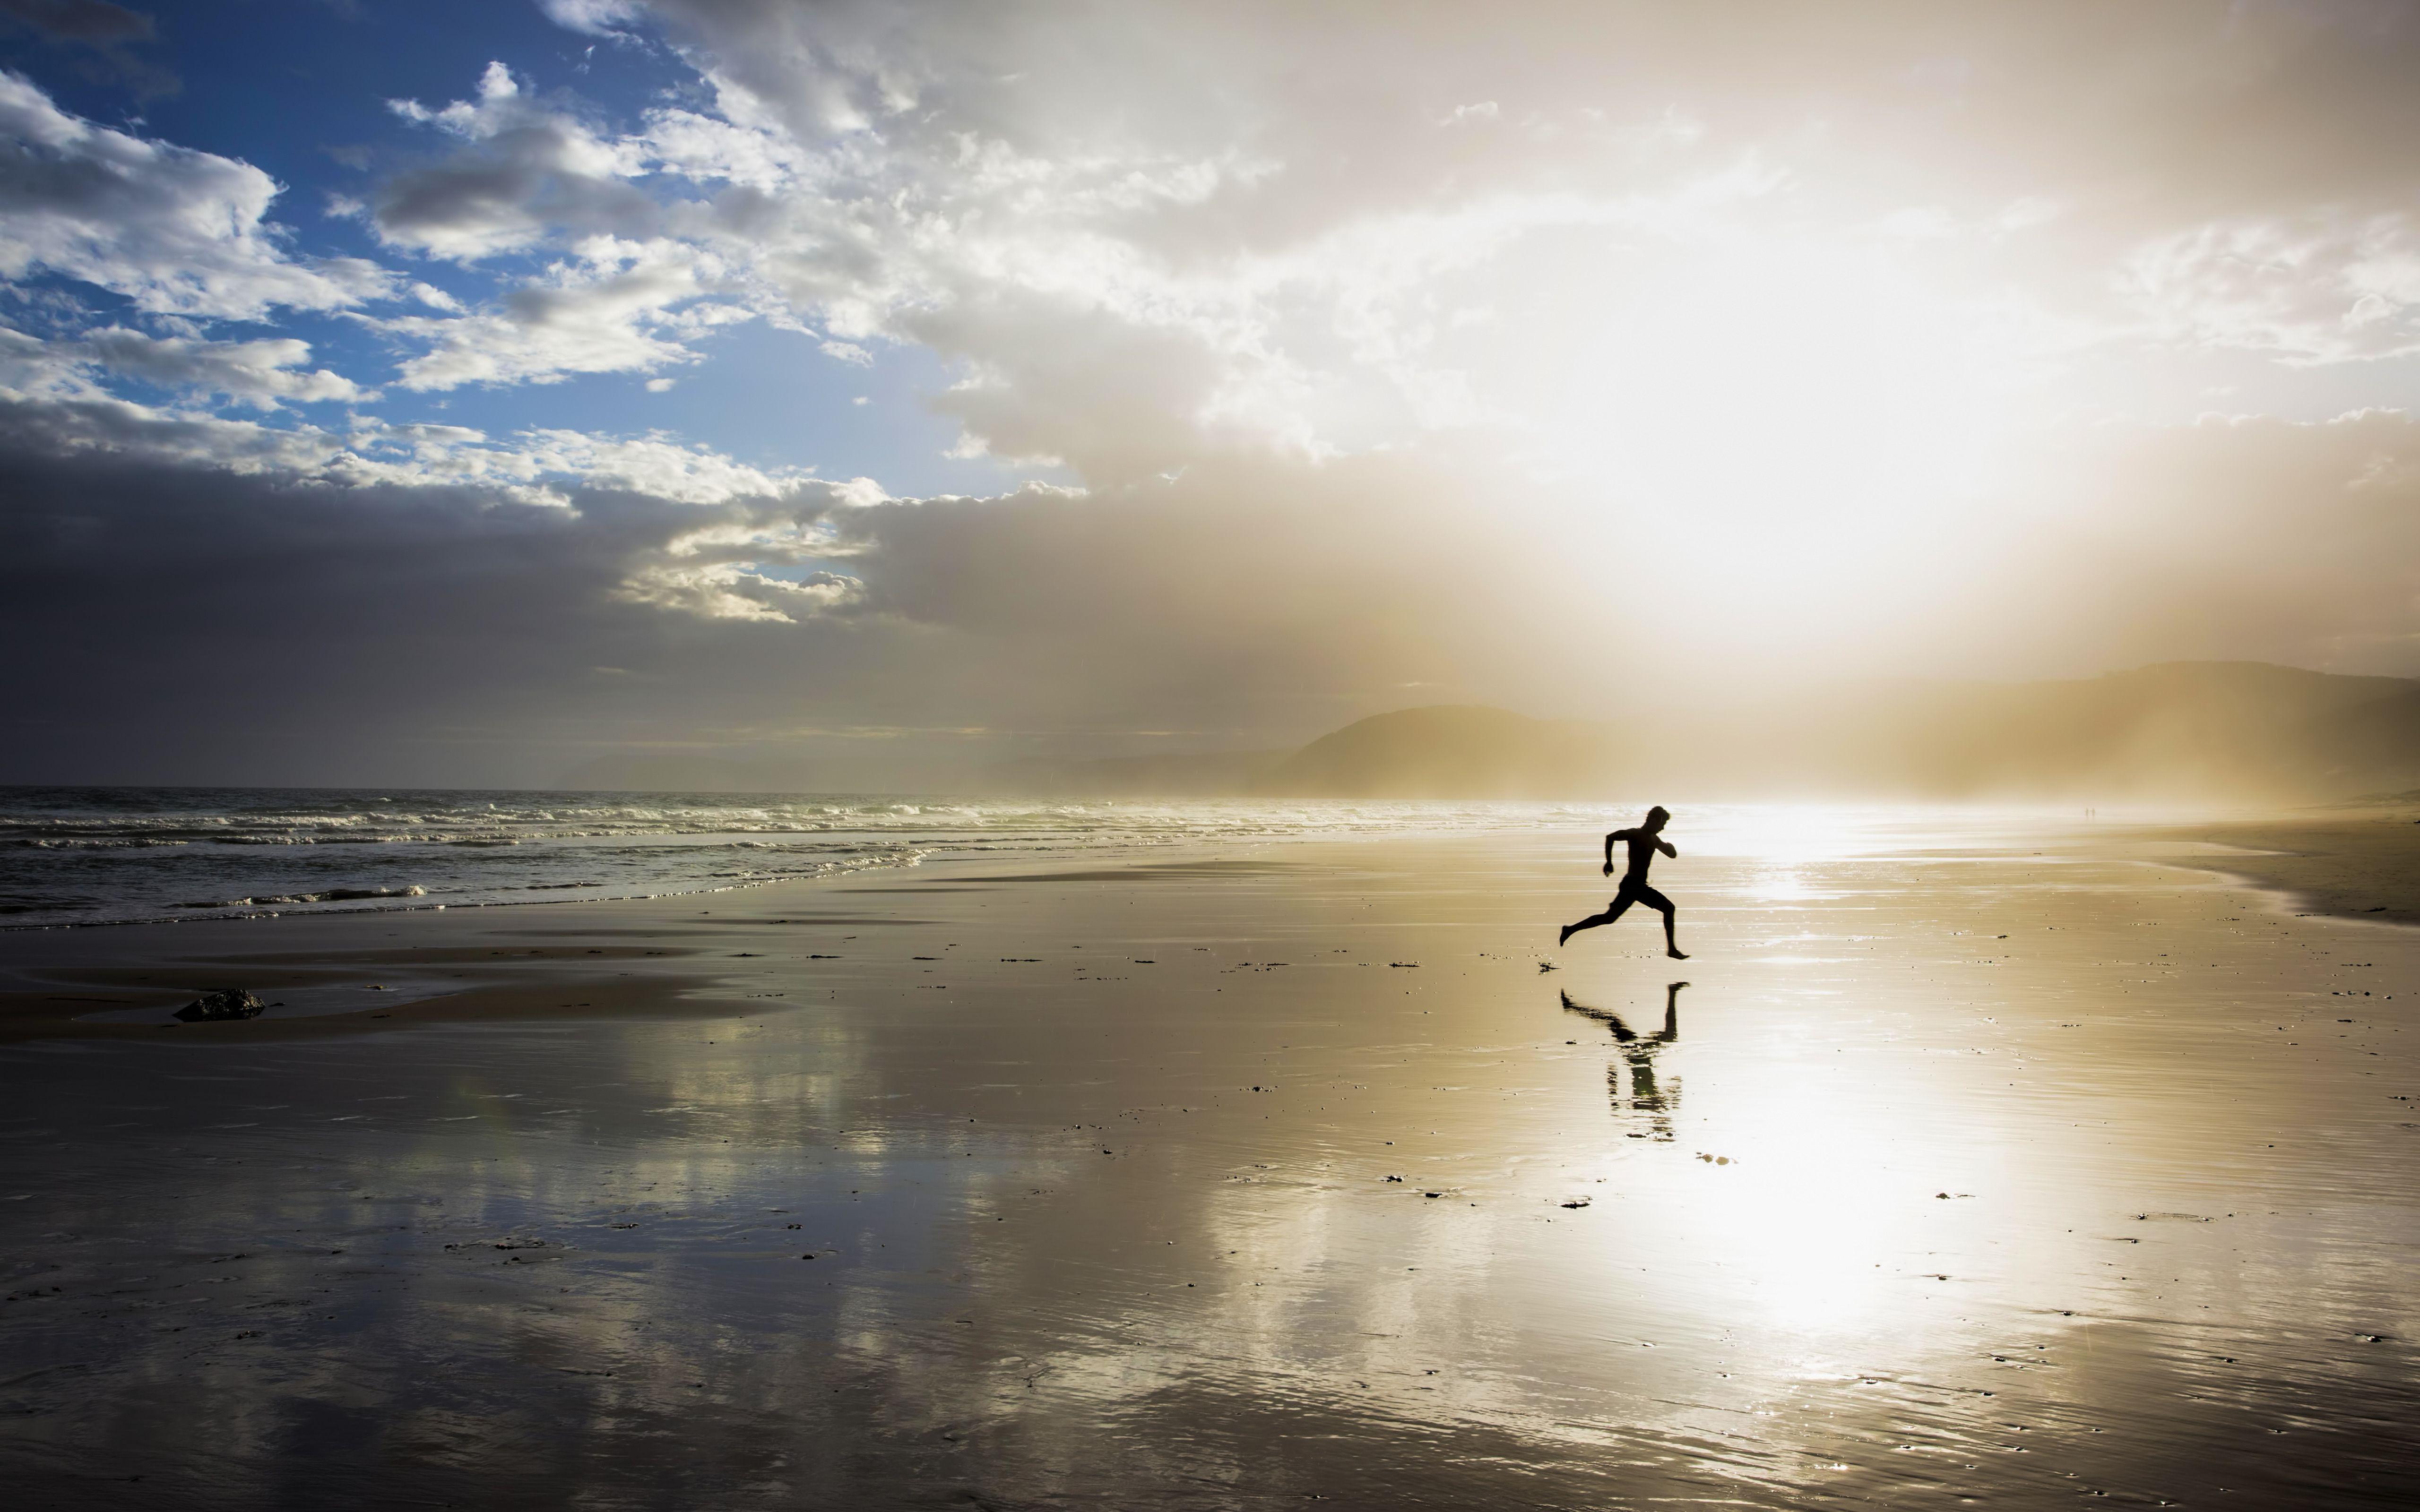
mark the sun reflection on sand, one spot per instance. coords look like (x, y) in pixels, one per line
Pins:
(1809, 1225)
(1708, 1237)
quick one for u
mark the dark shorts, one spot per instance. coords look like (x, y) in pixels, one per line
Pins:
(1640, 892)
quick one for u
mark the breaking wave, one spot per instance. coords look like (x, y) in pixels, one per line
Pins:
(91, 855)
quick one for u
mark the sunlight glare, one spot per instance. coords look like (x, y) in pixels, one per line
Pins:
(1881, 407)
(1811, 1222)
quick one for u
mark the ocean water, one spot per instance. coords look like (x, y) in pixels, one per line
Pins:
(105, 855)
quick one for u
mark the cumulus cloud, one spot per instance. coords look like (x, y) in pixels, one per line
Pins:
(53, 407)
(731, 591)
(968, 244)
(532, 172)
(174, 230)
(1244, 249)
(526, 170)
(707, 148)
(261, 374)
(2311, 289)
(597, 18)
(688, 474)
(616, 308)
(1527, 357)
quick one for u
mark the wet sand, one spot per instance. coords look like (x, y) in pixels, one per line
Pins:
(1958, 1172)
(2361, 864)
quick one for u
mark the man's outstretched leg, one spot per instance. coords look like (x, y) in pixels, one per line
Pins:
(1671, 945)
(1613, 911)
(1664, 905)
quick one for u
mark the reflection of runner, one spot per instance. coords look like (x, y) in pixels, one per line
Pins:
(1644, 842)
(1657, 1102)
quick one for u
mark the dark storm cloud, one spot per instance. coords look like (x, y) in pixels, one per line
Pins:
(188, 619)
(194, 622)
(108, 33)
(197, 623)
(81, 20)
(203, 623)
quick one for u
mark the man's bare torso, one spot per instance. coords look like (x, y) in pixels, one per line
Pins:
(1643, 845)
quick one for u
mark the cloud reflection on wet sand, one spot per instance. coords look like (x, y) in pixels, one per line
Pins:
(1063, 1253)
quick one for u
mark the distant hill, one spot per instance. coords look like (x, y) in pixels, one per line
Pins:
(1455, 752)
(2177, 731)
(2370, 746)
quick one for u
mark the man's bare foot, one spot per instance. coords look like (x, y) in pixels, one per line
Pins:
(1676, 952)
(1565, 937)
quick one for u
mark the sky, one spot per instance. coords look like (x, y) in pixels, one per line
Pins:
(459, 393)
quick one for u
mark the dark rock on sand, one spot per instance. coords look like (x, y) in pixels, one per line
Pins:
(226, 1003)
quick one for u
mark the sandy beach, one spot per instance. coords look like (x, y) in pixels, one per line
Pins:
(2000, 1163)
(2354, 862)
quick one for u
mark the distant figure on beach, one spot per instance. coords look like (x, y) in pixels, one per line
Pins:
(1644, 842)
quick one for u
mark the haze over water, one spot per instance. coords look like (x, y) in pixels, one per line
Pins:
(1959, 1171)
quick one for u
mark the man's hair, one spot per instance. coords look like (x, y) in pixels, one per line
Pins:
(1659, 811)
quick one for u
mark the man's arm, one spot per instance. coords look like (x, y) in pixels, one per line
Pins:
(1665, 846)
(1618, 834)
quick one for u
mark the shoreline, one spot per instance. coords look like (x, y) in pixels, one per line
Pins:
(201, 917)
(2363, 870)
(49, 973)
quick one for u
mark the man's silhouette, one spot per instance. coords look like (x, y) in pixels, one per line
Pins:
(1644, 842)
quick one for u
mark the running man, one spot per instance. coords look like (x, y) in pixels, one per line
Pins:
(1644, 842)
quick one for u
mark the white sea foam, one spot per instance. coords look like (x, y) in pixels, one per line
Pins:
(115, 855)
